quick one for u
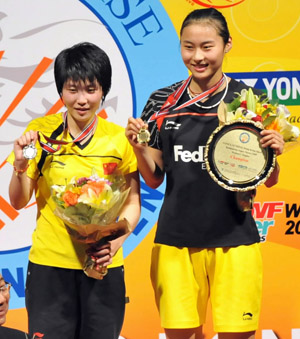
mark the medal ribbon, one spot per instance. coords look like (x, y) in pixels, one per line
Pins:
(174, 98)
(48, 146)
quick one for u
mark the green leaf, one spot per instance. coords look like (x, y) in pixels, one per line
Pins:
(266, 112)
(268, 121)
(234, 105)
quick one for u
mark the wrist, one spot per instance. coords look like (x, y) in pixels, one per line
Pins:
(20, 168)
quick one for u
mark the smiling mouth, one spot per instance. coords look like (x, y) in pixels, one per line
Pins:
(200, 66)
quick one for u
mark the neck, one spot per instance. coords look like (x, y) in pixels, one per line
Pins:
(77, 127)
(197, 87)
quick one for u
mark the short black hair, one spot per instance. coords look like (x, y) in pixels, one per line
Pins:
(81, 62)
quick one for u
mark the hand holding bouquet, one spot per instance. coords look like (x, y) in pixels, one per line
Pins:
(89, 207)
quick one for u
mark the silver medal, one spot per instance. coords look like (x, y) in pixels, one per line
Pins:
(143, 136)
(29, 151)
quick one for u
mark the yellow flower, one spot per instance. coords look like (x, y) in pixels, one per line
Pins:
(250, 106)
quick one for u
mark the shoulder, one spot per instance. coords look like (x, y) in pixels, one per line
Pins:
(158, 98)
(161, 95)
(46, 123)
(164, 92)
(110, 132)
(237, 86)
(109, 128)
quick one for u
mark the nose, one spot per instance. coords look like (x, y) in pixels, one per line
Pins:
(198, 55)
(81, 98)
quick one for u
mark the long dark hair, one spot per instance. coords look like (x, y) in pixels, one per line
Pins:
(210, 16)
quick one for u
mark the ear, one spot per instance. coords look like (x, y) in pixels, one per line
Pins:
(228, 46)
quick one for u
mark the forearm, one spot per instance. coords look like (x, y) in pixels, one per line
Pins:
(132, 214)
(150, 170)
(131, 211)
(273, 179)
(20, 188)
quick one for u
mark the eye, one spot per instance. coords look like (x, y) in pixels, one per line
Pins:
(188, 47)
(72, 89)
(91, 89)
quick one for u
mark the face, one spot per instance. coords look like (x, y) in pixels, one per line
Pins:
(202, 51)
(4, 299)
(82, 100)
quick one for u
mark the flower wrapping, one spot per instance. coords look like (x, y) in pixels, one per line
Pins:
(258, 108)
(89, 208)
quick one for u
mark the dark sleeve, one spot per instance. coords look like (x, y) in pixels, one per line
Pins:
(236, 87)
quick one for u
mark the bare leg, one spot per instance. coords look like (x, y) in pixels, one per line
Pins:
(188, 333)
(242, 335)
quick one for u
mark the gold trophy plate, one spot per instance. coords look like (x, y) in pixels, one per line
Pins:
(234, 157)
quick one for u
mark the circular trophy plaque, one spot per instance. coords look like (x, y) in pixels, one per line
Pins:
(234, 157)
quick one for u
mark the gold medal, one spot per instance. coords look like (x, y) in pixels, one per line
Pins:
(143, 136)
(29, 151)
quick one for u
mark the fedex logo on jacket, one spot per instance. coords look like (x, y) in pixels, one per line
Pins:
(187, 156)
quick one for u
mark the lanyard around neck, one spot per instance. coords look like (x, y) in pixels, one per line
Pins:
(48, 147)
(174, 98)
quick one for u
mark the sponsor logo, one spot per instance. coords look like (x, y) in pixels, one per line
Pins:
(283, 86)
(247, 316)
(172, 125)
(188, 156)
(264, 215)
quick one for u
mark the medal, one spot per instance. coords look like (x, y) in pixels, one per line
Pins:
(143, 136)
(29, 151)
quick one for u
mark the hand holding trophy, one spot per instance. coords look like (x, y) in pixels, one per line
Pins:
(234, 156)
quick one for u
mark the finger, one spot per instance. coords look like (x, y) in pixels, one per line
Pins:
(97, 250)
(271, 137)
(103, 260)
(107, 260)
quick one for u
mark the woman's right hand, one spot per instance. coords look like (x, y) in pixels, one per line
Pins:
(21, 186)
(23, 141)
(132, 129)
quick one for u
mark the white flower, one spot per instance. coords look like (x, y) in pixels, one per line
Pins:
(282, 111)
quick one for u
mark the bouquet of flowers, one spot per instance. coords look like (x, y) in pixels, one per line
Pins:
(89, 207)
(258, 108)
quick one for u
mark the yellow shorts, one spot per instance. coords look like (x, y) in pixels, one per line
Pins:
(184, 278)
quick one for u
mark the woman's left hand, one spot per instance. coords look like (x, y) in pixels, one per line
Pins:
(101, 253)
(273, 139)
